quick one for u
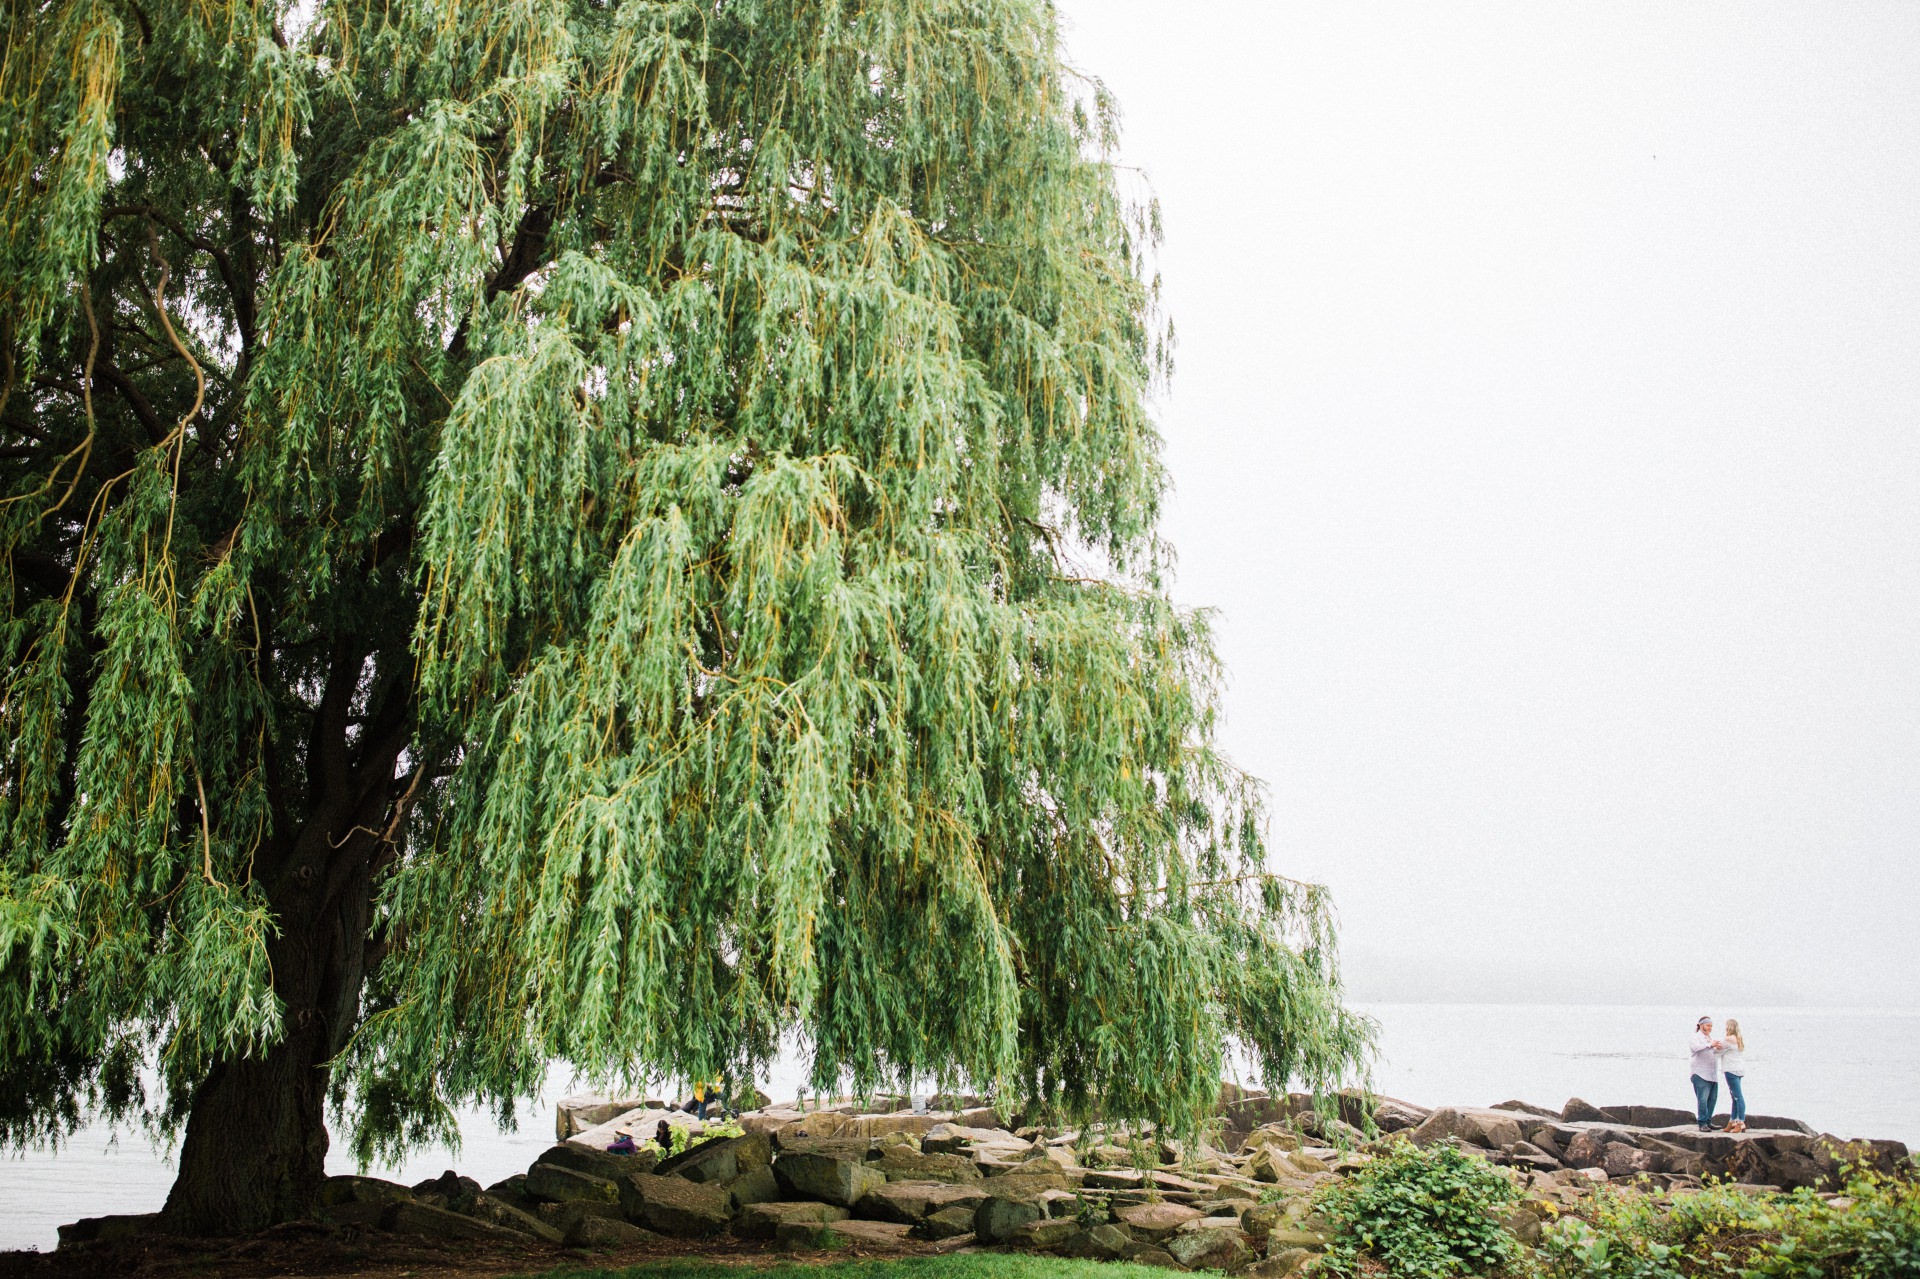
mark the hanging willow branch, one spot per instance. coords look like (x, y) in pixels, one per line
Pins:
(631, 566)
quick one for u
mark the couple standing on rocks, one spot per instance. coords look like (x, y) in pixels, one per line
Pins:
(1714, 1059)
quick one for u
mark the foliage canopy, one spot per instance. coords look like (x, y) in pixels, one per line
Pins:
(608, 530)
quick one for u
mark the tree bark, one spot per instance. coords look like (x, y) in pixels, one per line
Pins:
(256, 1145)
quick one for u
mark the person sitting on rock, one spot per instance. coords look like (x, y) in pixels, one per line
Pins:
(1706, 1072)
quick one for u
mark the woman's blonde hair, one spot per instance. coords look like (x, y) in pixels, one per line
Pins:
(1733, 1033)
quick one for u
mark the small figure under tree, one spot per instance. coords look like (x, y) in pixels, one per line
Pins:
(607, 532)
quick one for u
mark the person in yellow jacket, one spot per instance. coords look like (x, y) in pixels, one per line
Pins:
(708, 1094)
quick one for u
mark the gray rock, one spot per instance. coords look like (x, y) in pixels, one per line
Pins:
(1522, 1225)
(562, 1216)
(903, 1163)
(1212, 1248)
(589, 1110)
(946, 1223)
(674, 1205)
(448, 1190)
(763, 1220)
(953, 1139)
(497, 1212)
(606, 1232)
(1154, 1221)
(598, 1163)
(1279, 1265)
(413, 1218)
(909, 1202)
(826, 1177)
(551, 1183)
(1491, 1129)
(1044, 1235)
(366, 1190)
(1105, 1242)
(854, 1230)
(755, 1187)
(1148, 1254)
(998, 1216)
(113, 1227)
(1393, 1115)
(722, 1159)
(1577, 1111)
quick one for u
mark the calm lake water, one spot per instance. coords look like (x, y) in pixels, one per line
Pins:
(1852, 1072)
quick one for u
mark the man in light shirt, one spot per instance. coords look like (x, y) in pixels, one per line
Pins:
(1706, 1072)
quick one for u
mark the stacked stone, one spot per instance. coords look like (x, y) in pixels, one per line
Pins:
(894, 1179)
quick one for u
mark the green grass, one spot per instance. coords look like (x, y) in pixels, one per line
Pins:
(982, 1266)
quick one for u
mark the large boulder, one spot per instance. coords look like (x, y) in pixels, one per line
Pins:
(674, 1205)
(640, 1124)
(551, 1183)
(606, 1232)
(412, 1218)
(763, 1220)
(598, 1163)
(1281, 1137)
(755, 1186)
(907, 1123)
(589, 1110)
(1390, 1114)
(1210, 1247)
(561, 1217)
(499, 1213)
(1489, 1129)
(853, 1230)
(828, 1178)
(954, 1138)
(904, 1163)
(997, 1217)
(114, 1227)
(721, 1159)
(1153, 1221)
(947, 1223)
(911, 1201)
(1622, 1161)
(448, 1190)
(1044, 1235)
(1105, 1242)
(372, 1190)
(1577, 1111)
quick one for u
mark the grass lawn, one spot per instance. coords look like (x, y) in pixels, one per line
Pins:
(979, 1266)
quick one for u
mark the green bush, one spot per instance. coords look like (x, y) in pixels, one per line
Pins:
(1424, 1214)
(1873, 1232)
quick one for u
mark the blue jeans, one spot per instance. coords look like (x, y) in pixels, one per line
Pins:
(1706, 1093)
(1739, 1098)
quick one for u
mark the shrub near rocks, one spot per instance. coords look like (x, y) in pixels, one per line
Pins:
(1425, 1213)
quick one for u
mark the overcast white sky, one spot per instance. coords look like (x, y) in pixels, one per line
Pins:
(1545, 433)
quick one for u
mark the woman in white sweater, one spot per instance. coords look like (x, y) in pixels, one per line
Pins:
(1732, 1049)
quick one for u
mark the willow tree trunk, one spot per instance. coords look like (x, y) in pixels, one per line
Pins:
(256, 1140)
(256, 1145)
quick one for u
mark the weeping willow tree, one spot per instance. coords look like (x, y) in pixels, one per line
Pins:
(599, 531)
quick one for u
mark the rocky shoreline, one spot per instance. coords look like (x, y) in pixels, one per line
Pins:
(883, 1178)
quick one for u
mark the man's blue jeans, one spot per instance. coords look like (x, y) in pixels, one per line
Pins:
(1706, 1093)
(1739, 1098)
